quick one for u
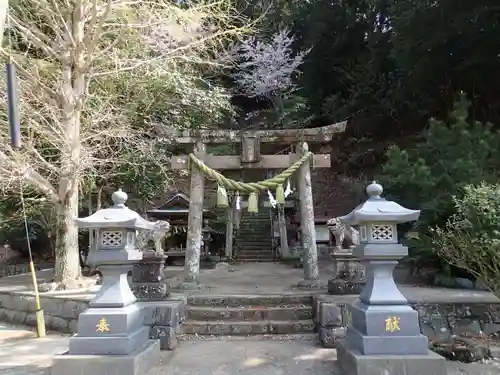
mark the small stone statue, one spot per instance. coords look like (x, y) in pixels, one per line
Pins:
(343, 232)
(157, 234)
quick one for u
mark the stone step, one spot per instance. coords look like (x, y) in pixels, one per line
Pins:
(256, 216)
(260, 222)
(256, 251)
(261, 233)
(292, 312)
(255, 260)
(249, 223)
(253, 240)
(245, 227)
(243, 328)
(249, 226)
(252, 243)
(264, 221)
(252, 255)
(248, 301)
(254, 237)
(255, 246)
(257, 234)
(248, 248)
(286, 337)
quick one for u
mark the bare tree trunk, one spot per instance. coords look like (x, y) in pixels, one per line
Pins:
(91, 231)
(99, 199)
(67, 265)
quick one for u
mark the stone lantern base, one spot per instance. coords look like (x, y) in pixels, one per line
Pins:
(137, 363)
(349, 275)
(385, 330)
(352, 362)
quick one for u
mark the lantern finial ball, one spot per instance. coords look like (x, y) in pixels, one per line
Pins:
(119, 198)
(374, 189)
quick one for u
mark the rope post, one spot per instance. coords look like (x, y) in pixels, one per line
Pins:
(308, 232)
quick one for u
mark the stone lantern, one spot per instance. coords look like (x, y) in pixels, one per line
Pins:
(206, 238)
(382, 324)
(111, 333)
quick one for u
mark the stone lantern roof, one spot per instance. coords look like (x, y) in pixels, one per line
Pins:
(378, 209)
(117, 216)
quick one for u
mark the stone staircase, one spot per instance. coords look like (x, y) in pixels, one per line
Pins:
(253, 239)
(249, 315)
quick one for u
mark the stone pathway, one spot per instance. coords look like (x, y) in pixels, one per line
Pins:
(8, 332)
(218, 356)
(248, 357)
(21, 353)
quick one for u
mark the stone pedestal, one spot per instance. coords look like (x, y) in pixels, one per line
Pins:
(136, 363)
(352, 362)
(147, 278)
(349, 275)
(111, 333)
(385, 330)
(381, 322)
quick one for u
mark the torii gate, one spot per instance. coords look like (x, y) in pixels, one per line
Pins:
(251, 158)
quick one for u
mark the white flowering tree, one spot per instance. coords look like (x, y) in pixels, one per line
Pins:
(98, 81)
(267, 69)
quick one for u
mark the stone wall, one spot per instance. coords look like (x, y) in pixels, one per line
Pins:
(60, 314)
(18, 269)
(438, 321)
(164, 317)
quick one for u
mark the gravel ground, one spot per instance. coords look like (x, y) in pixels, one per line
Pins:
(299, 356)
(279, 355)
(22, 353)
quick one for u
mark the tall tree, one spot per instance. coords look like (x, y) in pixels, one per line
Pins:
(80, 64)
(446, 46)
(268, 69)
